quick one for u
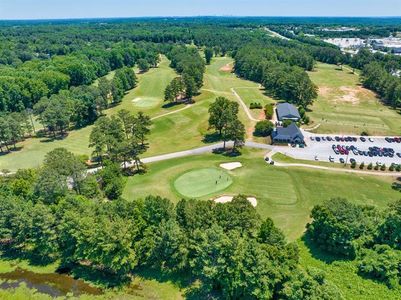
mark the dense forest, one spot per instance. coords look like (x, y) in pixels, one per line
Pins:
(227, 247)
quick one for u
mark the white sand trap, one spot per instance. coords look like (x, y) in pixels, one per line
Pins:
(231, 166)
(226, 199)
(145, 102)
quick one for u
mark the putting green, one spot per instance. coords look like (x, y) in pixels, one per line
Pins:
(201, 182)
(146, 101)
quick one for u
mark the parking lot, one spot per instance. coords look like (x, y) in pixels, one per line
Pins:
(375, 150)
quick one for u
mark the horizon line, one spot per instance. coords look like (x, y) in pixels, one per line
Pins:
(193, 16)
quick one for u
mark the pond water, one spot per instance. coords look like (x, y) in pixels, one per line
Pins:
(52, 284)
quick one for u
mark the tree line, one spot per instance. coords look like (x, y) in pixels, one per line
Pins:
(282, 73)
(190, 66)
(23, 86)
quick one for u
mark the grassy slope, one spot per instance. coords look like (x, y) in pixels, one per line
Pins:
(339, 116)
(286, 195)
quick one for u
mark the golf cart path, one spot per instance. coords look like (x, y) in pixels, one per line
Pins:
(172, 112)
(273, 150)
(248, 113)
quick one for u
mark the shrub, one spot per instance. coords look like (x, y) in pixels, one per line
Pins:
(263, 128)
(376, 167)
(255, 105)
(269, 111)
(362, 165)
(301, 112)
(364, 133)
(370, 166)
(398, 168)
(353, 165)
(381, 263)
(287, 123)
(306, 119)
(383, 167)
(392, 167)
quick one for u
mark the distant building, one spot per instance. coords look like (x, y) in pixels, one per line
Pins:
(286, 111)
(288, 135)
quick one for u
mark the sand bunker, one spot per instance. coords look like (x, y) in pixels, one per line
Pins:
(145, 102)
(227, 68)
(226, 199)
(231, 166)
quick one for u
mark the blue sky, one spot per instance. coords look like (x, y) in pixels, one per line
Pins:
(45, 9)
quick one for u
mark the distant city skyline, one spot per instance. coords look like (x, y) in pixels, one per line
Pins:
(64, 9)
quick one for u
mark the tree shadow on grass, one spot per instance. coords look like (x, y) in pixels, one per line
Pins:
(11, 150)
(96, 276)
(51, 138)
(321, 254)
(228, 152)
(8, 254)
(181, 280)
(211, 138)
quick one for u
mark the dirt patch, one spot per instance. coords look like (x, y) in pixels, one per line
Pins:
(262, 115)
(227, 68)
(325, 91)
(350, 95)
(249, 132)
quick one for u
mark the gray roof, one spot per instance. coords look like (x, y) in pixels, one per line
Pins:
(288, 133)
(287, 110)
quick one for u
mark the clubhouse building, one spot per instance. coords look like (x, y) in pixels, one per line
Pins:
(288, 135)
(287, 111)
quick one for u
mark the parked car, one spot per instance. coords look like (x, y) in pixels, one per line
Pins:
(342, 160)
(370, 140)
(352, 161)
(362, 139)
(317, 139)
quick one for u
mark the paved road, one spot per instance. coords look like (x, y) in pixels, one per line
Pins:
(250, 144)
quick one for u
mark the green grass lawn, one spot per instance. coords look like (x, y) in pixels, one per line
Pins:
(285, 194)
(202, 182)
(343, 106)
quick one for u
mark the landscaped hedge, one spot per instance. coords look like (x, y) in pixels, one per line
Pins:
(255, 105)
(269, 111)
